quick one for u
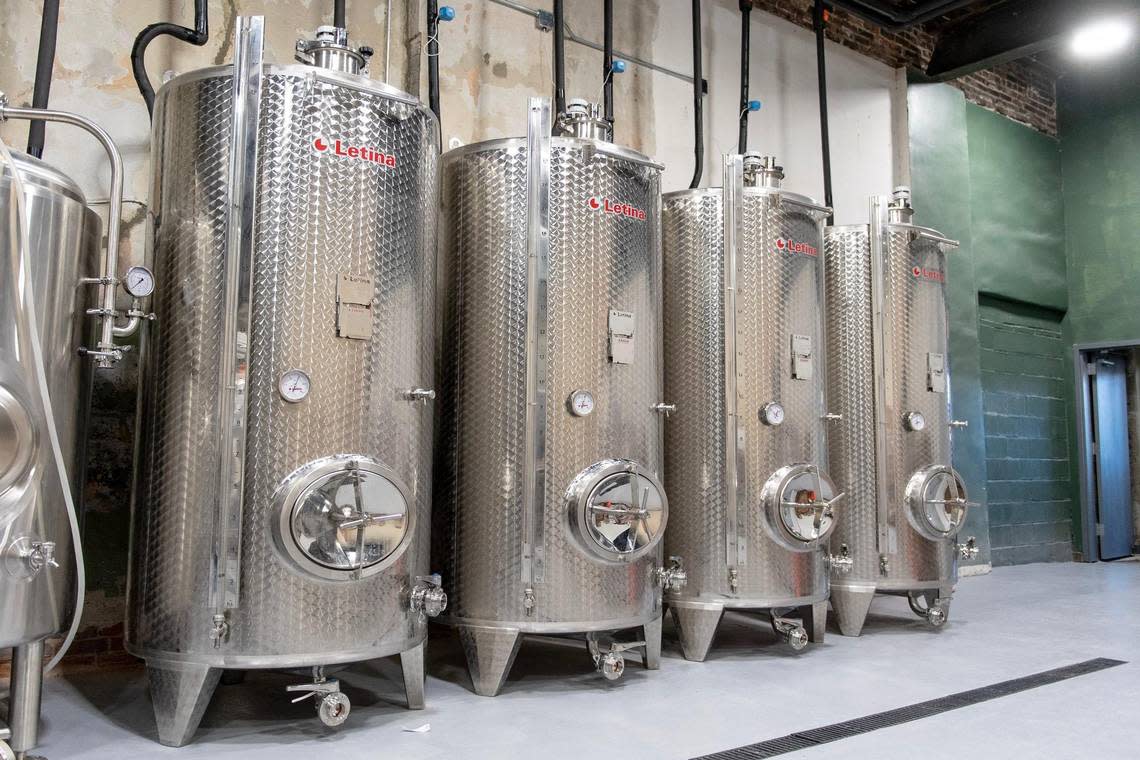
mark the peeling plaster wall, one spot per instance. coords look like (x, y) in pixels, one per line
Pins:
(492, 59)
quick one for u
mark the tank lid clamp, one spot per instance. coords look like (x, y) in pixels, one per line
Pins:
(329, 49)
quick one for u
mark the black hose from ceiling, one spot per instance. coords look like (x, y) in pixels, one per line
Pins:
(433, 55)
(339, 15)
(698, 100)
(199, 35)
(745, 44)
(608, 60)
(820, 23)
(45, 61)
(559, 57)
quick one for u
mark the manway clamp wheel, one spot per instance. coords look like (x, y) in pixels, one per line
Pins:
(332, 704)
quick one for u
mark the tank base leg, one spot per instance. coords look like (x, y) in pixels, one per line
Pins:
(697, 624)
(490, 653)
(851, 606)
(24, 700)
(652, 649)
(412, 662)
(180, 693)
(815, 620)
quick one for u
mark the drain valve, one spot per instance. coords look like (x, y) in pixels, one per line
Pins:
(428, 596)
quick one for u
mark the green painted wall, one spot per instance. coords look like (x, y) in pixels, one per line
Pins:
(1017, 211)
(940, 183)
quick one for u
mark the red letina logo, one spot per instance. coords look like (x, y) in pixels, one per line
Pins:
(606, 206)
(359, 153)
(933, 275)
(793, 246)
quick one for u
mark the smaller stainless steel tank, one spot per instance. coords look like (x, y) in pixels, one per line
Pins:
(889, 378)
(745, 454)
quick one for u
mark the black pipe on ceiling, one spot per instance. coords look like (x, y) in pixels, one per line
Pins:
(559, 57)
(698, 100)
(45, 61)
(433, 56)
(819, 18)
(339, 15)
(608, 60)
(890, 17)
(199, 35)
(745, 44)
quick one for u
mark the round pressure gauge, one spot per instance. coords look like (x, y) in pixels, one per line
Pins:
(294, 386)
(772, 414)
(915, 421)
(139, 282)
(581, 403)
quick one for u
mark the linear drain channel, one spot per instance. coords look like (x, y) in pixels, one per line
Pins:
(836, 731)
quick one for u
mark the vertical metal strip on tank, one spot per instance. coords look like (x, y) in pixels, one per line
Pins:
(886, 535)
(538, 273)
(735, 443)
(235, 348)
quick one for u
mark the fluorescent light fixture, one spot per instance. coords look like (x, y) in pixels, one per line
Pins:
(1101, 38)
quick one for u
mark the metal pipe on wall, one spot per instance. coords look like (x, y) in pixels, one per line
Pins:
(698, 100)
(559, 57)
(608, 60)
(339, 15)
(199, 35)
(820, 24)
(45, 61)
(745, 43)
(433, 55)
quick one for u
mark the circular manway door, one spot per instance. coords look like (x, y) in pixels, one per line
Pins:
(936, 502)
(619, 509)
(342, 518)
(799, 504)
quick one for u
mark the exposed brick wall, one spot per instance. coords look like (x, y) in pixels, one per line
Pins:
(1019, 90)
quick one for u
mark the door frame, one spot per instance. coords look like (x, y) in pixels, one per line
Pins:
(1086, 474)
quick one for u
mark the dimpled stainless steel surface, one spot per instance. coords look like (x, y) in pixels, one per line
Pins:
(63, 237)
(597, 261)
(778, 294)
(318, 215)
(888, 553)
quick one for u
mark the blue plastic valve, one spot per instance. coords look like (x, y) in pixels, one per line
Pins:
(754, 105)
(618, 66)
(446, 13)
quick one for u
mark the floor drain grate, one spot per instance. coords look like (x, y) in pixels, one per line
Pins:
(836, 731)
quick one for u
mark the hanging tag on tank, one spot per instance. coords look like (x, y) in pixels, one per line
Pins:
(936, 373)
(803, 366)
(354, 307)
(621, 336)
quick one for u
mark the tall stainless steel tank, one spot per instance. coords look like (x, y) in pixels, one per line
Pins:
(550, 506)
(889, 378)
(37, 561)
(282, 503)
(745, 452)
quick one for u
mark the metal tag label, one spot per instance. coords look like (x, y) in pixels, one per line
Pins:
(353, 321)
(621, 324)
(354, 288)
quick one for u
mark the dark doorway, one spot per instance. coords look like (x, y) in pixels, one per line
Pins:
(1112, 486)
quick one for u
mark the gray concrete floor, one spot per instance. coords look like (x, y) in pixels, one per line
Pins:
(1014, 622)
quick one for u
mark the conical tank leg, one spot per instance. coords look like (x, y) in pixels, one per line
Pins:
(697, 624)
(851, 605)
(412, 662)
(24, 699)
(180, 693)
(652, 648)
(490, 653)
(815, 620)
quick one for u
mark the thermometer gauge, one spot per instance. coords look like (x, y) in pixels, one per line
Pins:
(915, 421)
(139, 282)
(772, 414)
(294, 386)
(581, 403)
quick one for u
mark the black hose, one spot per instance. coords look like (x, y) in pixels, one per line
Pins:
(433, 55)
(199, 35)
(745, 43)
(608, 60)
(820, 23)
(698, 100)
(338, 15)
(559, 57)
(45, 61)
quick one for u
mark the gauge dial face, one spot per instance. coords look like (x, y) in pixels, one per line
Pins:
(139, 282)
(915, 421)
(581, 403)
(294, 386)
(772, 413)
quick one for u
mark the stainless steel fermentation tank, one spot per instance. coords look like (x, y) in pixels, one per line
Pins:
(550, 506)
(888, 375)
(282, 500)
(745, 452)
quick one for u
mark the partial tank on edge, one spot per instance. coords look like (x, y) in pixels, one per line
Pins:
(283, 493)
(550, 508)
(889, 378)
(745, 451)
